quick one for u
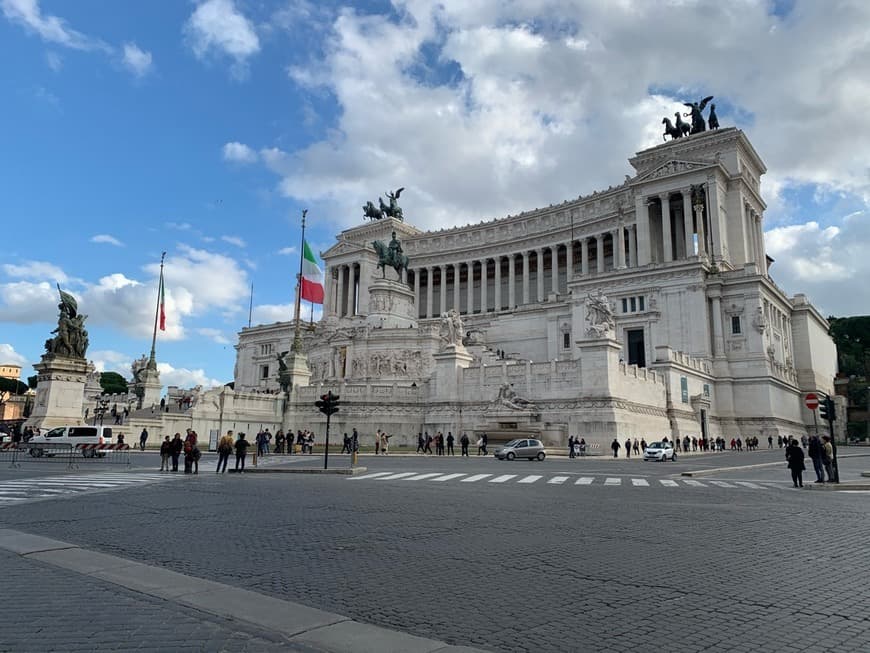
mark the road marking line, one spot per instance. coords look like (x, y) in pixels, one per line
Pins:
(585, 480)
(364, 476)
(613, 481)
(668, 483)
(693, 483)
(530, 479)
(393, 477)
(475, 478)
(503, 478)
(556, 480)
(447, 477)
(420, 477)
(754, 486)
(639, 482)
(720, 484)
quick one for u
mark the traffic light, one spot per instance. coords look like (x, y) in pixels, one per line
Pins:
(328, 403)
(827, 409)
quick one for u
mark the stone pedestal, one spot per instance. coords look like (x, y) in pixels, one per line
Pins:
(599, 362)
(297, 372)
(151, 388)
(448, 366)
(60, 390)
(391, 305)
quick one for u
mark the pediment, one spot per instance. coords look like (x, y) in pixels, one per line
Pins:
(672, 168)
(341, 248)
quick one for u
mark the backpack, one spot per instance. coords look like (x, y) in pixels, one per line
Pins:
(188, 447)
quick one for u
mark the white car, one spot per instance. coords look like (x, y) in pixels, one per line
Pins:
(660, 451)
(66, 437)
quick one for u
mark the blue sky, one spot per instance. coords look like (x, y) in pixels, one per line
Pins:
(203, 128)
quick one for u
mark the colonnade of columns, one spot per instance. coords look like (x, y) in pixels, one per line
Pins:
(341, 290)
(675, 230)
(491, 284)
(753, 236)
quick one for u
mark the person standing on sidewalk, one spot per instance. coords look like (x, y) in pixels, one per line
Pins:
(828, 457)
(241, 447)
(817, 454)
(570, 446)
(615, 446)
(463, 443)
(378, 442)
(795, 457)
(143, 437)
(165, 452)
(450, 451)
(628, 448)
(177, 445)
(225, 447)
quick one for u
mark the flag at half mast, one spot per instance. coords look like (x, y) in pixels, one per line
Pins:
(162, 304)
(312, 277)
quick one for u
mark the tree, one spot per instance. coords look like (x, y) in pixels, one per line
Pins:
(852, 337)
(32, 381)
(12, 386)
(113, 383)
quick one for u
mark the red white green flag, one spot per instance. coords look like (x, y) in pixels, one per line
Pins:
(162, 305)
(312, 276)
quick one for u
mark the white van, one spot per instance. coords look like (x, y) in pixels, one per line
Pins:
(71, 435)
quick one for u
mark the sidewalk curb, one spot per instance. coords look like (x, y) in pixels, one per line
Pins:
(841, 487)
(342, 471)
(716, 470)
(294, 622)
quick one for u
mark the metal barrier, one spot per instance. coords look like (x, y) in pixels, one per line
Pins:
(17, 453)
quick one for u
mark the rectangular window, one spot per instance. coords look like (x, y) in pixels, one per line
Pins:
(624, 305)
(636, 348)
(684, 389)
(633, 304)
(566, 340)
(264, 371)
(706, 390)
(735, 324)
(640, 303)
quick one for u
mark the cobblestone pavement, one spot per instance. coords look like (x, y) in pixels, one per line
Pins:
(50, 609)
(510, 567)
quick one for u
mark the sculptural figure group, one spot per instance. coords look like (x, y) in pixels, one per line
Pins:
(72, 337)
(679, 128)
(391, 210)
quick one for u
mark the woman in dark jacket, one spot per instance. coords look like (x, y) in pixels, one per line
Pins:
(794, 454)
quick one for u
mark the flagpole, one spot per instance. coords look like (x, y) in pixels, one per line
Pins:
(251, 306)
(296, 348)
(152, 362)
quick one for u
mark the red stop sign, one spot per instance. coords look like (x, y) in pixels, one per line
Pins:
(812, 401)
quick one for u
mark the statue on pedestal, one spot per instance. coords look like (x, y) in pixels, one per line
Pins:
(599, 314)
(391, 255)
(452, 329)
(391, 210)
(72, 337)
(508, 397)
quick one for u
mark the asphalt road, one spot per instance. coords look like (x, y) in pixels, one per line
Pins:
(635, 559)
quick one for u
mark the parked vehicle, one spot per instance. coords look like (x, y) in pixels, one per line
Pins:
(70, 435)
(530, 449)
(660, 451)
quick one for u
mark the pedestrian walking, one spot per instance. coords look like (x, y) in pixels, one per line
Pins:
(165, 452)
(628, 448)
(570, 446)
(175, 451)
(817, 453)
(378, 442)
(385, 443)
(636, 447)
(224, 448)
(421, 443)
(450, 451)
(615, 446)
(428, 447)
(770, 442)
(484, 440)
(345, 444)
(241, 447)
(143, 437)
(463, 443)
(795, 457)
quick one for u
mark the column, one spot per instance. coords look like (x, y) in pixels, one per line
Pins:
(619, 242)
(718, 345)
(749, 234)
(702, 233)
(484, 264)
(512, 281)
(718, 236)
(470, 287)
(687, 222)
(405, 276)
(428, 291)
(350, 288)
(632, 246)
(599, 252)
(554, 269)
(641, 218)
(442, 289)
(456, 299)
(569, 263)
(762, 258)
(584, 256)
(666, 226)
(497, 294)
(525, 277)
(417, 292)
(539, 256)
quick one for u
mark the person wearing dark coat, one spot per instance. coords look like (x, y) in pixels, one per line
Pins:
(241, 447)
(817, 455)
(177, 445)
(794, 454)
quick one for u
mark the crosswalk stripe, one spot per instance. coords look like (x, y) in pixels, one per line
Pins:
(447, 477)
(584, 480)
(693, 482)
(503, 478)
(668, 483)
(365, 476)
(754, 486)
(530, 479)
(475, 478)
(393, 477)
(639, 482)
(556, 480)
(420, 477)
(720, 484)
(613, 481)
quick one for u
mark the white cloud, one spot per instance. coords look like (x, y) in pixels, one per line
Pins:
(54, 61)
(268, 313)
(239, 153)
(108, 239)
(24, 302)
(287, 251)
(35, 270)
(50, 28)
(184, 377)
(107, 360)
(218, 26)
(137, 60)
(8, 356)
(234, 240)
(216, 335)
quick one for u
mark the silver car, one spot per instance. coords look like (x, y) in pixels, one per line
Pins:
(530, 449)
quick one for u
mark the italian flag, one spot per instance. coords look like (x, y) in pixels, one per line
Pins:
(312, 277)
(162, 305)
